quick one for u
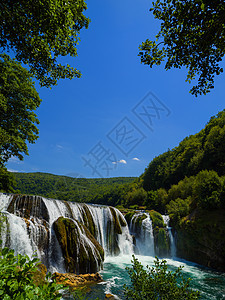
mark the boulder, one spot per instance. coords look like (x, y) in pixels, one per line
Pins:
(73, 280)
(81, 251)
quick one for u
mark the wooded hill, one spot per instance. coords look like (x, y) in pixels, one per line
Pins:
(99, 190)
(202, 151)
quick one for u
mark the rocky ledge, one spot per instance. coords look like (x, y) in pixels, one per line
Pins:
(73, 280)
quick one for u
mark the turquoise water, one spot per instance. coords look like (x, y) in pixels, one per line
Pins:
(211, 284)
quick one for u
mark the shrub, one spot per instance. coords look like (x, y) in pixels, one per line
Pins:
(157, 283)
(17, 282)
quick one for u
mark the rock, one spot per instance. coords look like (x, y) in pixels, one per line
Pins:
(161, 241)
(201, 238)
(81, 251)
(28, 206)
(88, 220)
(73, 280)
(109, 296)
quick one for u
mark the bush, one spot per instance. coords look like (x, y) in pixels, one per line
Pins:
(17, 279)
(157, 283)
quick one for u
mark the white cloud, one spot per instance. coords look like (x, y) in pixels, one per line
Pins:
(135, 158)
(11, 170)
(122, 161)
(15, 160)
(59, 147)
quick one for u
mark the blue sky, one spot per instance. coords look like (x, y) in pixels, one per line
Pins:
(120, 114)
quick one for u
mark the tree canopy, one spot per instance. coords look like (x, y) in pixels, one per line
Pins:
(18, 100)
(41, 31)
(204, 150)
(192, 35)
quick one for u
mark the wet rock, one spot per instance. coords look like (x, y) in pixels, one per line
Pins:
(73, 280)
(81, 251)
(28, 206)
(109, 296)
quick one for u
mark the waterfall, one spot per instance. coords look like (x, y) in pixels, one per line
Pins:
(30, 229)
(166, 220)
(141, 228)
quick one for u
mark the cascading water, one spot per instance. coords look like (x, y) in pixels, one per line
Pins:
(141, 228)
(166, 220)
(30, 230)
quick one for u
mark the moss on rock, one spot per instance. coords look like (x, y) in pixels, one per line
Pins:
(116, 222)
(81, 251)
(161, 239)
(157, 219)
(129, 216)
(88, 220)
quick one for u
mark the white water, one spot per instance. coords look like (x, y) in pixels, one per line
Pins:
(166, 220)
(27, 239)
(144, 237)
(211, 284)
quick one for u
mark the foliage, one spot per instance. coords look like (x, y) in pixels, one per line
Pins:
(207, 189)
(204, 150)
(178, 208)
(79, 294)
(157, 283)
(136, 197)
(7, 180)
(111, 191)
(156, 200)
(18, 100)
(182, 190)
(40, 32)
(16, 279)
(192, 36)
(157, 220)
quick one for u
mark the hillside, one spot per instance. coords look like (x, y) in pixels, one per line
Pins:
(188, 182)
(202, 151)
(97, 190)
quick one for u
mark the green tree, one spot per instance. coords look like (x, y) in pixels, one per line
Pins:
(136, 196)
(178, 209)
(207, 188)
(7, 181)
(158, 283)
(192, 35)
(42, 31)
(18, 100)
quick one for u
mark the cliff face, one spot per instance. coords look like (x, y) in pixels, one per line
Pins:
(201, 238)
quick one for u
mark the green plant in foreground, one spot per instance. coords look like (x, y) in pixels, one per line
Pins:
(157, 283)
(17, 279)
